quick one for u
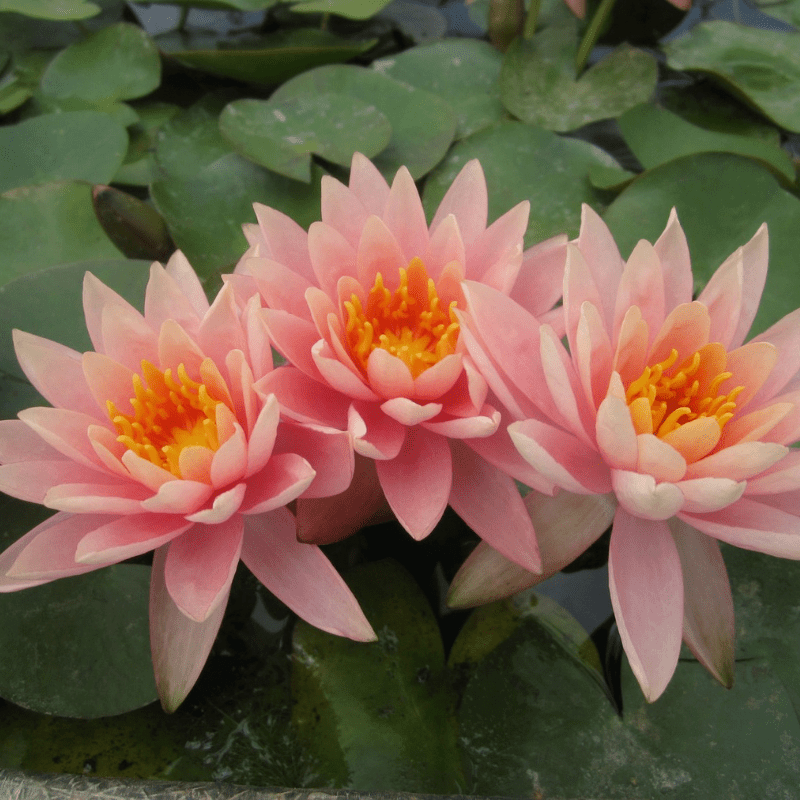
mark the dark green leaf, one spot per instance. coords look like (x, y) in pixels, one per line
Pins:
(79, 647)
(80, 145)
(21, 79)
(352, 9)
(282, 135)
(139, 168)
(379, 716)
(761, 66)
(538, 82)
(51, 9)
(526, 163)
(717, 222)
(423, 125)
(464, 72)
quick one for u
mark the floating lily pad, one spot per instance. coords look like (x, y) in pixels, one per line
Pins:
(41, 104)
(464, 72)
(138, 168)
(282, 135)
(418, 21)
(352, 9)
(80, 145)
(51, 9)
(761, 66)
(21, 79)
(268, 60)
(717, 222)
(41, 226)
(522, 162)
(538, 81)
(116, 63)
(381, 715)
(423, 125)
(79, 647)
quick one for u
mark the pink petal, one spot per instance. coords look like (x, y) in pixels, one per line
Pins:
(753, 526)
(642, 497)
(375, 435)
(341, 376)
(303, 399)
(467, 200)
(285, 241)
(708, 623)
(756, 425)
(417, 482)
(180, 646)
(240, 382)
(577, 7)
(96, 298)
(616, 436)
(686, 329)
(329, 452)
(782, 477)
(438, 379)
(31, 480)
(230, 461)
(176, 346)
(673, 253)
(180, 270)
(404, 216)
(659, 459)
(127, 338)
(280, 286)
(409, 413)
(66, 431)
(723, 295)
(332, 255)
(368, 184)
(644, 576)
(262, 437)
(784, 335)
(560, 457)
(92, 498)
(379, 252)
(540, 280)
(630, 355)
(129, 536)
(284, 479)
(695, 439)
(343, 211)
(108, 380)
(220, 331)
(225, 505)
(178, 497)
(738, 462)
(19, 443)
(755, 255)
(108, 449)
(302, 577)
(490, 503)
(751, 365)
(55, 371)
(258, 344)
(642, 285)
(164, 301)
(495, 257)
(145, 472)
(47, 551)
(477, 427)
(200, 567)
(702, 495)
(579, 289)
(445, 246)
(593, 355)
(388, 375)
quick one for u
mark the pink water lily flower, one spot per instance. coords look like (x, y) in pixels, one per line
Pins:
(657, 417)
(366, 308)
(158, 440)
(578, 7)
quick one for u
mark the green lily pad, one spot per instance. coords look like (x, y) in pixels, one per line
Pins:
(423, 125)
(21, 79)
(267, 59)
(41, 104)
(138, 168)
(79, 647)
(717, 222)
(116, 63)
(657, 136)
(352, 9)
(538, 83)
(80, 145)
(522, 162)
(41, 226)
(282, 135)
(51, 9)
(762, 67)
(379, 716)
(609, 178)
(233, 5)
(464, 72)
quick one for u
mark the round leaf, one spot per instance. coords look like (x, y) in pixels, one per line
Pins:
(51, 9)
(116, 63)
(464, 72)
(79, 647)
(80, 145)
(423, 125)
(282, 135)
(538, 83)
(526, 163)
(761, 66)
(352, 9)
(717, 222)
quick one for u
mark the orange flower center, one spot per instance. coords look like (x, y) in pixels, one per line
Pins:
(664, 398)
(168, 415)
(409, 323)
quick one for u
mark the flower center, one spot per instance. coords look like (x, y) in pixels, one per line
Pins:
(168, 415)
(664, 398)
(409, 323)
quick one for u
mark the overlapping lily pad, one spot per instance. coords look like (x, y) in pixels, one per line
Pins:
(761, 66)
(80, 145)
(423, 125)
(282, 135)
(352, 9)
(464, 72)
(721, 201)
(522, 162)
(538, 81)
(51, 9)
(138, 168)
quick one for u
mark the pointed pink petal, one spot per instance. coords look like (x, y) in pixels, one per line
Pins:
(695, 439)
(755, 255)
(108, 450)
(379, 252)
(332, 255)
(280, 286)
(55, 371)
(32, 480)
(495, 257)
(96, 298)
(659, 459)
(708, 624)
(408, 413)
(93, 498)
(738, 462)
(200, 566)
(145, 472)
(180, 646)
(108, 380)
(220, 331)
(180, 270)
(642, 285)
(65, 430)
(673, 253)
(757, 424)
(490, 503)
(225, 505)
(303, 399)
(784, 335)
(341, 377)
(467, 200)
(258, 345)
(286, 242)
(686, 329)
(723, 296)
(631, 354)
(127, 338)
(388, 375)
(230, 461)
(367, 183)
(751, 366)
(262, 437)
(417, 482)
(404, 216)
(782, 477)
(593, 355)
(579, 289)
(616, 436)
(476, 427)
(644, 577)
(126, 537)
(560, 457)
(176, 346)
(445, 246)
(642, 497)
(301, 576)
(438, 379)
(178, 497)
(240, 382)
(702, 495)
(577, 7)
(375, 435)
(283, 479)
(18, 442)
(164, 300)
(753, 526)
(540, 280)
(343, 211)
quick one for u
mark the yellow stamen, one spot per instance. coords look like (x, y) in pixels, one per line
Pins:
(409, 323)
(169, 414)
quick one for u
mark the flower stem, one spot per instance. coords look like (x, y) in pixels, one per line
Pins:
(592, 34)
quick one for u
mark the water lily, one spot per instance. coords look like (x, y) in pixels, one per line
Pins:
(578, 7)
(656, 417)
(158, 440)
(366, 308)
